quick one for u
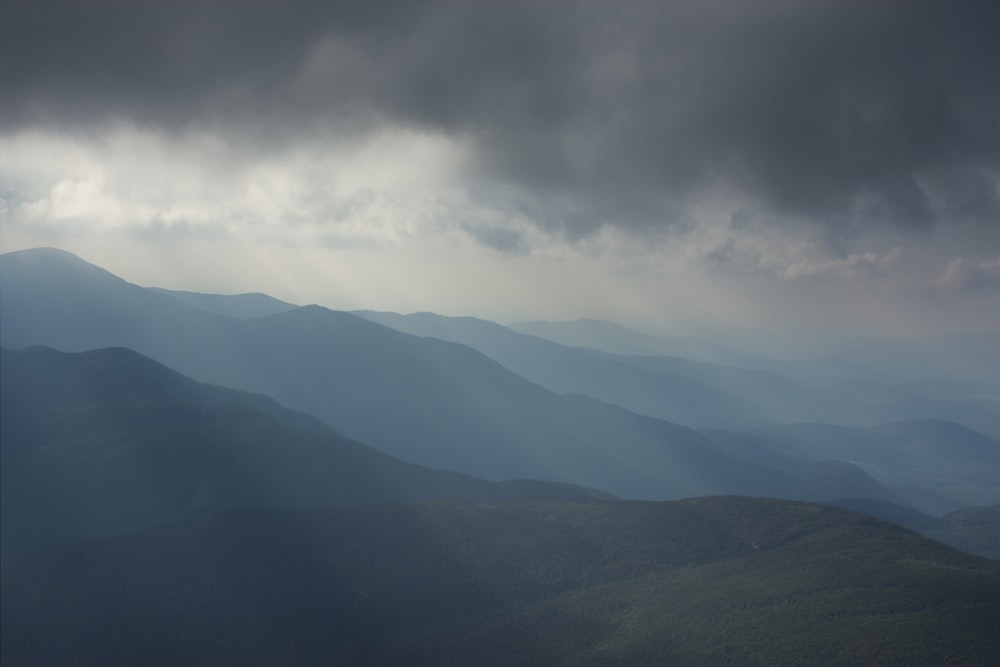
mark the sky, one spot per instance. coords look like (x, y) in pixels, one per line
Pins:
(797, 166)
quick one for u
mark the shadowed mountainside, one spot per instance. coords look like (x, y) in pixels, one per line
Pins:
(975, 530)
(713, 581)
(101, 442)
(972, 529)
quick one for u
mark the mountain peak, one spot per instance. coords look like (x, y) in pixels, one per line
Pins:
(53, 264)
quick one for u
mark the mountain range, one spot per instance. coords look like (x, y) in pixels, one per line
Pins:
(419, 399)
(210, 479)
(746, 392)
(102, 442)
(474, 397)
(934, 465)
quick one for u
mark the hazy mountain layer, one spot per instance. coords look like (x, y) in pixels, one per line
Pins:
(970, 357)
(934, 465)
(106, 441)
(564, 369)
(616, 339)
(242, 306)
(709, 394)
(714, 581)
(421, 400)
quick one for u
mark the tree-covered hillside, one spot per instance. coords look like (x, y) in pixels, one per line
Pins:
(711, 581)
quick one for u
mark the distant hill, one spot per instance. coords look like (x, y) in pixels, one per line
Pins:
(418, 399)
(682, 398)
(898, 514)
(975, 530)
(101, 442)
(936, 466)
(616, 339)
(241, 306)
(706, 395)
(973, 357)
(712, 581)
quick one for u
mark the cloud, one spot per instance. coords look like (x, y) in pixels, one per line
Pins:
(849, 114)
(963, 274)
(765, 156)
(137, 181)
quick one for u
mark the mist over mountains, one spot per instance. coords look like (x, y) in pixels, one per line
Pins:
(478, 398)
(135, 421)
(755, 391)
(98, 443)
(499, 333)
(420, 399)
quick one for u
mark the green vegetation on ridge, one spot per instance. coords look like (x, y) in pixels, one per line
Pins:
(721, 580)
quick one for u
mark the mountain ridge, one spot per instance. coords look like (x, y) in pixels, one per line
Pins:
(246, 305)
(422, 400)
(707, 581)
(105, 441)
(706, 394)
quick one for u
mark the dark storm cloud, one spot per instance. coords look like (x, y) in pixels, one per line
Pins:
(165, 62)
(852, 114)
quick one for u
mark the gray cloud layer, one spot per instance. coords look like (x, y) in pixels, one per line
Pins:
(856, 116)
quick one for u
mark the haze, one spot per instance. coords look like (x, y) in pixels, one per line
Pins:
(499, 332)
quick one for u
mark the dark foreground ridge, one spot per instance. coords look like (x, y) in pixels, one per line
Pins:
(710, 581)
